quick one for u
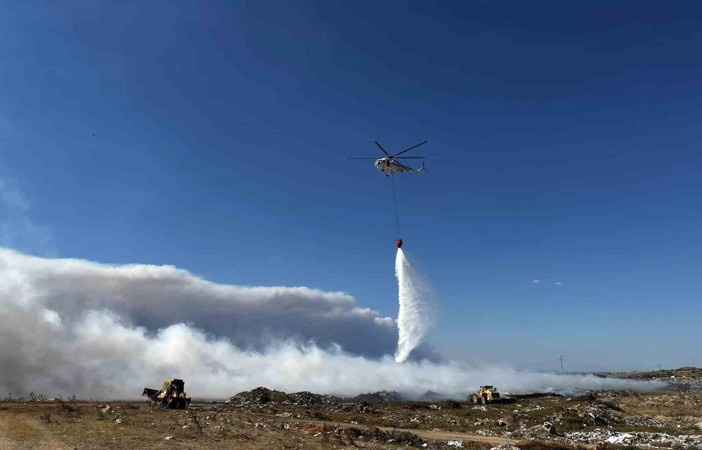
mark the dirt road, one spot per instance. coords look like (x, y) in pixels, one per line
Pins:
(18, 431)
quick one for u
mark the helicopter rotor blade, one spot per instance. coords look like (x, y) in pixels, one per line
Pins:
(361, 158)
(406, 150)
(410, 157)
(381, 148)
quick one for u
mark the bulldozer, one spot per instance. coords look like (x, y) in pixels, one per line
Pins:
(171, 396)
(486, 394)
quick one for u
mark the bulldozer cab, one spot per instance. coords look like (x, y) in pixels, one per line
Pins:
(174, 386)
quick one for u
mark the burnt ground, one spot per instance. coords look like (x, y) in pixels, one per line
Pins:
(263, 419)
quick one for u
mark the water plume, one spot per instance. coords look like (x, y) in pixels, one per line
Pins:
(416, 314)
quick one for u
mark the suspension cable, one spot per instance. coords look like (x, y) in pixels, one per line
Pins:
(394, 201)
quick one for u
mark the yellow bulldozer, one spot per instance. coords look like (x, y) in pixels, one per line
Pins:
(171, 396)
(486, 394)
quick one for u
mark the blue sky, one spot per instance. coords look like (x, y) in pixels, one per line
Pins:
(563, 147)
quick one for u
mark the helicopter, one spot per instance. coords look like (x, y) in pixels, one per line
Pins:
(389, 164)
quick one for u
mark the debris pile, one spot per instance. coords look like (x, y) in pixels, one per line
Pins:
(391, 437)
(450, 404)
(505, 447)
(635, 438)
(258, 396)
(350, 436)
(642, 421)
(378, 397)
(594, 414)
(541, 431)
(683, 384)
(446, 404)
(262, 396)
(307, 398)
(360, 407)
(646, 419)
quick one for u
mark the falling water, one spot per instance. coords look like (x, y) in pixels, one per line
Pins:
(416, 307)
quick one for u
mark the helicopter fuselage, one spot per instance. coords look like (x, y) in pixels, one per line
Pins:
(389, 166)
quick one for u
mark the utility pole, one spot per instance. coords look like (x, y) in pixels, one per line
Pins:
(561, 358)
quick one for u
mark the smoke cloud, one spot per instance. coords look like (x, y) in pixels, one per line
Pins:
(16, 227)
(101, 331)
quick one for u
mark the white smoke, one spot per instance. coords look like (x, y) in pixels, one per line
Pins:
(16, 226)
(417, 300)
(99, 331)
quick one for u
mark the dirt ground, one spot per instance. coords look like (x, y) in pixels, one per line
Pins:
(669, 419)
(121, 425)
